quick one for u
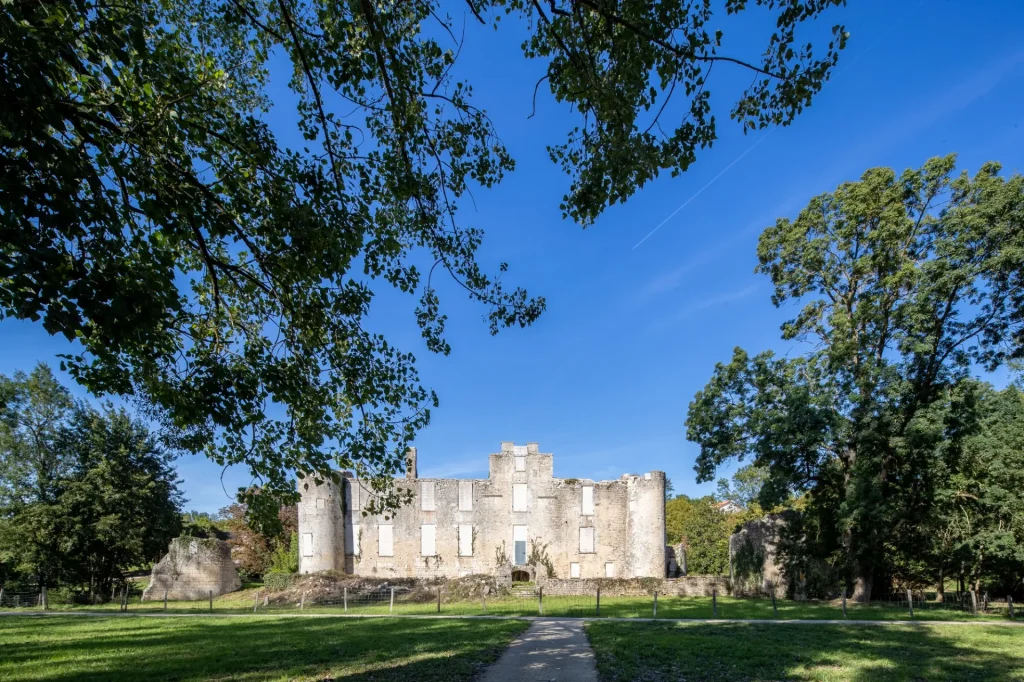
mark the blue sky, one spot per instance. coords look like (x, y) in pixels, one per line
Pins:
(644, 303)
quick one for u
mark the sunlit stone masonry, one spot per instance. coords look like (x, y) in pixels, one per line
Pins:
(520, 520)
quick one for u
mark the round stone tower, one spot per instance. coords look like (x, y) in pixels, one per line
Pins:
(645, 525)
(321, 526)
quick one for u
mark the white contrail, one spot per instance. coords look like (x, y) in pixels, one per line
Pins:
(711, 182)
(842, 69)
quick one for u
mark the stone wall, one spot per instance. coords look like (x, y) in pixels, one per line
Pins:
(753, 556)
(627, 522)
(321, 524)
(194, 568)
(700, 586)
(686, 586)
(675, 561)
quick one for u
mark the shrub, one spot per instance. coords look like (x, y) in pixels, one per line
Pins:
(279, 581)
(285, 559)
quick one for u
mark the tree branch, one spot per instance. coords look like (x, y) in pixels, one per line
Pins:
(674, 49)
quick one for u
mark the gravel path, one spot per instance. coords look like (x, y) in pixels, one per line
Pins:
(550, 651)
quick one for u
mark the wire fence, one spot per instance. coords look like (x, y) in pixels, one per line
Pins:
(522, 600)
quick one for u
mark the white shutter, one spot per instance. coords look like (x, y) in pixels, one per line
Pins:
(385, 541)
(307, 544)
(352, 496)
(574, 570)
(586, 540)
(465, 540)
(518, 497)
(465, 495)
(428, 537)
(427, 495)
(588, 500)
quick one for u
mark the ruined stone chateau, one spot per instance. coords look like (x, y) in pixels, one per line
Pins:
(519, 518)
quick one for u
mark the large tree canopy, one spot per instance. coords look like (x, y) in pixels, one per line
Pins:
(907, 283)
(149, 213)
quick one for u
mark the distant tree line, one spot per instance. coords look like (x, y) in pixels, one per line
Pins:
(704, 530)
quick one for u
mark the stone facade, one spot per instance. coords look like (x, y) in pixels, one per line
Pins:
(519, 518)
(753, 555)
(676, 561)
(194, 568)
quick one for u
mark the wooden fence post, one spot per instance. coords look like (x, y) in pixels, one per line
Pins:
(391, 609)
(540, 601)
(165, 599)
(775, 609)
(598, 600)
(1009, 603)
(302, 601)
(910, 601)
(844, 602)
(46, 599)
(439, 600)
(344, 597)
(655, 604)
(714, 602)
(1, 596)
(483, 598)
(974, 603)
(211, 600)
(256, 601)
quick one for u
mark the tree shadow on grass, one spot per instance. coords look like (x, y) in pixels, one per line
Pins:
(858, 653)
(94, 649)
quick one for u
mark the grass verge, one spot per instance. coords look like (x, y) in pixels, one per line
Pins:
(575, 606)
(822, 653)
(260, 648)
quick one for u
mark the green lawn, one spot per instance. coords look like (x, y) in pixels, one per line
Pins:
(578, 606)
(823, 653)
(90, 649)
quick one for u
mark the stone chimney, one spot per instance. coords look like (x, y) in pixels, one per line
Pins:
(410, 463)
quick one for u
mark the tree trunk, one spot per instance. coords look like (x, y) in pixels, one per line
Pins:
(862, 584)
(862, 589)
(940, 588)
